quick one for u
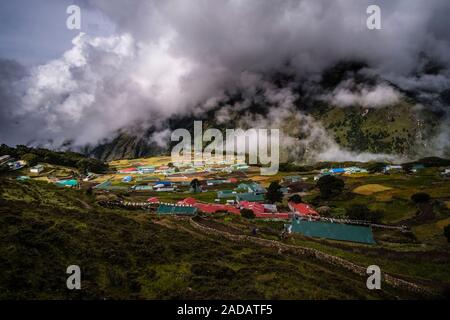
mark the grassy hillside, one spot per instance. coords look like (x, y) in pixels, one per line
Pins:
(398, 129)
(123, 255)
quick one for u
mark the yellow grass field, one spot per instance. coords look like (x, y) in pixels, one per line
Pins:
(355, 175)
(369, 189)
(153, 161)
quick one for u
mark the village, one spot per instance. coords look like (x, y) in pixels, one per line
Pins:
(161, 187)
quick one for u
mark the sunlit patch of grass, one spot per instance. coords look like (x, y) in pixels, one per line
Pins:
(432, 232)
(369, 189)
(441, 224)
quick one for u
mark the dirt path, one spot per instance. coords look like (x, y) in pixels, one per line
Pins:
(84, 204)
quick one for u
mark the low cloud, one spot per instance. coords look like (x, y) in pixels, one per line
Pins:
(348, 93)
(170, 58)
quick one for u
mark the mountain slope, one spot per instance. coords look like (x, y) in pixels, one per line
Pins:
(403, 123)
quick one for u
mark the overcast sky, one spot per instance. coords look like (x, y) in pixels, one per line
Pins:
(143, 61)
(34, 32)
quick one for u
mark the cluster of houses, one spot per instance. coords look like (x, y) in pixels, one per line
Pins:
(398, 168)
(245, 196)
(187, 168)
(155, 184)
(190, 206)
(165, 170)
(252, 192)
(12, 163)
(336, 171)
(304, 219)
(353, 170)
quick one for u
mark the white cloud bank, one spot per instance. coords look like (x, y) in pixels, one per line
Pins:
(175, 57)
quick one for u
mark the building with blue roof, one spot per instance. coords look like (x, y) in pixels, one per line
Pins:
(337, 170)
(127, 179)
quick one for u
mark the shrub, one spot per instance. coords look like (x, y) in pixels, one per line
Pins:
(420, 197)
(274, 193)
(375, 216)
(295, 198)
(91, 165)
(4, 168)
(408, 167)
(195, 186)
(247, 214)
(330, 186)
(376, 167)
(447, 232)
(362, 212)
(358, 212)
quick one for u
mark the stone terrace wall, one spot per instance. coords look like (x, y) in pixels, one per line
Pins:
(315, 254)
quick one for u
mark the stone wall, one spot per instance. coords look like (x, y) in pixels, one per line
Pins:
(315, 254)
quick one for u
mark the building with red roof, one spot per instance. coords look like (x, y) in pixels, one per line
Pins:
(254, 206)
(189, 201)
(303, 209)
(213, 208)
(153, 200)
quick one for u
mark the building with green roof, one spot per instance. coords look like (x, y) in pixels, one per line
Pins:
(252, 187)
(251, 197)
(226, 194)
(333, 231)
(165, 209)
(67, 183)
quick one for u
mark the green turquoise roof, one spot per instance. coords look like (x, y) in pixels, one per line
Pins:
(174, 209)
(249, 197)
(334, 231)
(68, 183)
